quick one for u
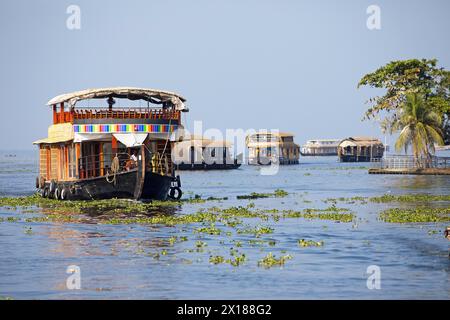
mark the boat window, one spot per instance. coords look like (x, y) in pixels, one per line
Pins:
(72, 161)
(62, 162)
(108, 154)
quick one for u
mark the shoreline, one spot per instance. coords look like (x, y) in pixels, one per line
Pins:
(424, 171)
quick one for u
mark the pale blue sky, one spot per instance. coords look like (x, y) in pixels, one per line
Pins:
(291, 65)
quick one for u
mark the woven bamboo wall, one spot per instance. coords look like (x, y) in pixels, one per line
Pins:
(43, 162)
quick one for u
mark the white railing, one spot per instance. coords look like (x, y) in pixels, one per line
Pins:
(410, 162)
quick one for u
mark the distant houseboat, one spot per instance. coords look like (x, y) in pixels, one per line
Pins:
(360, 149)
(106, 152)
(265, 148)
(198, 153)
(321, 147)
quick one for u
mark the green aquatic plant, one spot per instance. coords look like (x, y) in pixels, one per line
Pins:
(331, 213)
(270, 260)
(351, 200)
(310, 243)
(421, 214)
(216, 259)
(256, 231)
(410, 198)
(200, 244)
(237, 243)
(278, 193)
(85, 206)
(216, 199)
(211, 230)
(236, 258)
(334, 216)
(172, 240)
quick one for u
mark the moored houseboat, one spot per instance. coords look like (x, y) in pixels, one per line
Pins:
(320, 147)
(199, 153)
(265, 148)
(101, 152)
(360, 149)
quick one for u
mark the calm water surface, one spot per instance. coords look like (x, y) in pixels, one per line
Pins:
(115, 261)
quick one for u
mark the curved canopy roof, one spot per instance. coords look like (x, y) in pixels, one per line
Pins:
(360, 141)
(194, 140)
(150, 95)
(273, 133)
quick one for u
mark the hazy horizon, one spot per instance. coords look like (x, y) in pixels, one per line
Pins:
(290, 65)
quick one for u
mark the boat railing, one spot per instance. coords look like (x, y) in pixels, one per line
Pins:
(102, 164)
(126, 113)
(410, 162)
(160, 163)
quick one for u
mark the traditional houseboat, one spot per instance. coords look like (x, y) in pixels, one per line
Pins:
(101, 152)
(320, 147)
(360, 149)
(199, 153)
(266, 148)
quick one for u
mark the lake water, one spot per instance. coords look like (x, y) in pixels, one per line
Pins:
(116, 260)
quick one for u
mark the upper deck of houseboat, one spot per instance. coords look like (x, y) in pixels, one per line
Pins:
(266, 145)
(320, 147)
(266, 138)
(65, 108)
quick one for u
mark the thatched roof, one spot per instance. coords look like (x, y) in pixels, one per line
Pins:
(200, 141)
(151, 95)
(277, 134)
(272, 144)
(360, 142)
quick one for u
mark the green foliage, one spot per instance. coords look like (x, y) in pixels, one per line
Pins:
(270, 260)
(236, 258)
(408, 198)
(400, 78)
(211, 230)
(278, 193)
(256, 231)
(419, 127)
(421, 214)
(310, 243)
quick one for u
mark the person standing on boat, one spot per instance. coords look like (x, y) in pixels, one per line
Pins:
(132, 162)
(134, 157)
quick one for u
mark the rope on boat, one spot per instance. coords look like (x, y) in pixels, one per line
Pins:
(165, 146)
(115, 166)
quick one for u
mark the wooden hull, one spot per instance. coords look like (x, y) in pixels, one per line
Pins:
(126, 185)
(351, 158)
(281, 161)
(312, 154)
(204, 166)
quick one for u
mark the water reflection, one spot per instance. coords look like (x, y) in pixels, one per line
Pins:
(416, 182)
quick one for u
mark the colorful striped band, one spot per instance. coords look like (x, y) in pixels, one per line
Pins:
(124, 128)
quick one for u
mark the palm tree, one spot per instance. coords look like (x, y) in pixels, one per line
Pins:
(420, 128)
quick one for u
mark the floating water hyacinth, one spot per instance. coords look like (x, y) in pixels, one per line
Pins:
(310, 243)
(270, 260)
